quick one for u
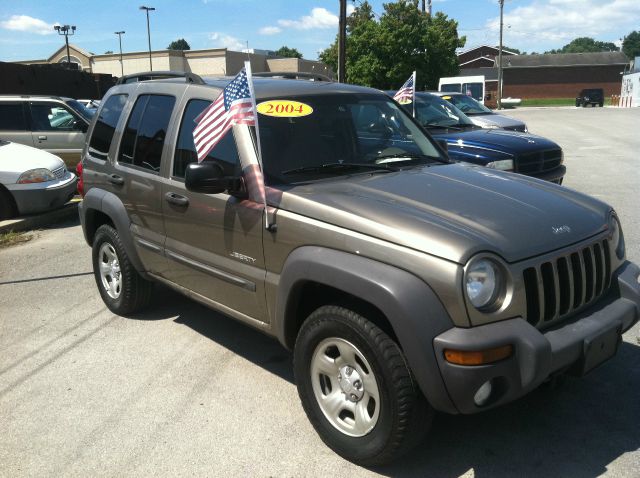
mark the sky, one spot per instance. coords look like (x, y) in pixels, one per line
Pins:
(26, 26)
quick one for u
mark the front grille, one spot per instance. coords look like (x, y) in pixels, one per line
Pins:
(538, 162)
(60, 172)
(557, 288)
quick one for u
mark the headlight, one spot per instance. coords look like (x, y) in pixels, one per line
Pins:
(39, 175)
(483, 283)
(503, 164)
(617, 237)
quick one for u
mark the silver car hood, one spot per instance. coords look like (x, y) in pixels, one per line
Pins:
(454, 211)
(496, 120)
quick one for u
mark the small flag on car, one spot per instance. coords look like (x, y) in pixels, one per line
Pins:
(235, 105)
(406, 94)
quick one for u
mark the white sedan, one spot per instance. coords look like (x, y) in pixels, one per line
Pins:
(32, 180)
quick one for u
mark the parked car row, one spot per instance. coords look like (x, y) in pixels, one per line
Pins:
(405, 282)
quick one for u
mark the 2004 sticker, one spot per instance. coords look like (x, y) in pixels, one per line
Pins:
(284, 108)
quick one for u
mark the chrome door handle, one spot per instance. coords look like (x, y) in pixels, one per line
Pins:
(42, 137)
(176, 199)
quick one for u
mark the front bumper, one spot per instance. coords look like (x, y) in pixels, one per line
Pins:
(39, 197)
(583, 342)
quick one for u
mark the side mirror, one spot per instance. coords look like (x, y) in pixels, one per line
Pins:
(209, 178)
(443, 144)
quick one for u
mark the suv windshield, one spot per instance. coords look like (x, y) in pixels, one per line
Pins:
(341, 134)
(467, 105)
(434, 112)
(81, 109)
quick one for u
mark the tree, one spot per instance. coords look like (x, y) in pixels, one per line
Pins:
(287, 52)
(512, 50)
(108, 52)
(585, 45)
(383, 53)
(631, 45)
(180, 44)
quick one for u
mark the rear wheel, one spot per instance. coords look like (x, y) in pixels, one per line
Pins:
(123, 290)
(356, 388)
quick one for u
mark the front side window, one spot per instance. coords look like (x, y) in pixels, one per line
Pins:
(105, 126)
(224, 153)
(146, 129)
(467, 105)
(12, 117)
(343, 134)
(54, 117)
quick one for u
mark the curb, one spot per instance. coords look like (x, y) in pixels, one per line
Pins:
(38, 221)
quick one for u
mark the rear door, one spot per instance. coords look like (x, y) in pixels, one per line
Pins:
(13, 122)
(58, 130)
(214, 241)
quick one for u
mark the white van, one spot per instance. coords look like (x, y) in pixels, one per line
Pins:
(469, 85)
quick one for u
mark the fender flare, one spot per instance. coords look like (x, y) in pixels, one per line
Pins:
(109, 204)
(409, 304)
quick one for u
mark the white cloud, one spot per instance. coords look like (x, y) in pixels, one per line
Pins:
(560, 21)
(25, 23)
(269, 30)
(319, 18)
(350, 8)
(222, 40)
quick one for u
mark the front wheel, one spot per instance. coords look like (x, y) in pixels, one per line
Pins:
(356, 388)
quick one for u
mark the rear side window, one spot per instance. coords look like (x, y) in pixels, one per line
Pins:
(224, 153)
(146, 130)
(106, 126)
(12, 117)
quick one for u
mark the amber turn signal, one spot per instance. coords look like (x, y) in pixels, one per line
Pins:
(481, 357)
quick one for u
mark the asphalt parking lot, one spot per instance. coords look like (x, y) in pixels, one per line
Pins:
(181, 390)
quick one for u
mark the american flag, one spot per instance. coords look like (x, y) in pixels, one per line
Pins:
(406, 93)
(234, 106)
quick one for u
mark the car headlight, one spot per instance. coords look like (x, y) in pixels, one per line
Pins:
(503, 164)
(40, 175)
(483, 283)
(617, 237)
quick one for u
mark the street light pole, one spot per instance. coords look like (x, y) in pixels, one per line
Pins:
(120, 40)
(342, 27)
(66, 30)
(500, 59)
(148, 9)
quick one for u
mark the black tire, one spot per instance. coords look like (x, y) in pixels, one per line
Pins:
(7, 204)
(404, 416)
(135, 291)
(601, 104)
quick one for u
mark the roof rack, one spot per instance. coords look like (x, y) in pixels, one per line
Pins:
(293, 75)
(160, 75)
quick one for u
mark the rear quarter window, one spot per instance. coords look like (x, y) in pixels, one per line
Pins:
(105, 126)
(12, 117)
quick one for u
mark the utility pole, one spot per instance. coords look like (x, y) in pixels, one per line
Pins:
(342, 26)
(148, 9)
(66, 30)
(500, 59)
(428, 7)
(120, 39)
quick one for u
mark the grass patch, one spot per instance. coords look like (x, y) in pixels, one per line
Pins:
(548, 102)
(11, 238)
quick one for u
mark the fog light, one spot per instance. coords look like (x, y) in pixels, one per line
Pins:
(483, 394)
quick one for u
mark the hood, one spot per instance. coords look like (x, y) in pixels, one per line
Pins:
(492, 119)
(454, 211)
(15, 159)
(510, 142)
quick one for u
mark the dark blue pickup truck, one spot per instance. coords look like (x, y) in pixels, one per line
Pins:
(522, 153)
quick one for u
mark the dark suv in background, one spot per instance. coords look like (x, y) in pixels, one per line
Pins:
(590, 96)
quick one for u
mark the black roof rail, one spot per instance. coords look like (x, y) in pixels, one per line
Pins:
(160, 75)
(293, 75)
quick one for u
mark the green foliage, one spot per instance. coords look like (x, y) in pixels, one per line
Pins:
(631, 45)
(512, 50)
(180, 44)
(108, 52)
(287, 52)
(585, 45)
(383, 53)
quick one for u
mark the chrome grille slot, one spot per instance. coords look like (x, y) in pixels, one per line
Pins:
(60, 172)
(558, 287)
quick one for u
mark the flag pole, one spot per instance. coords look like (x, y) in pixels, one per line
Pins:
(414, 93)
(247, 67)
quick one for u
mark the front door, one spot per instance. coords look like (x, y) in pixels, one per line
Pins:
(58, 130)
(214, 241)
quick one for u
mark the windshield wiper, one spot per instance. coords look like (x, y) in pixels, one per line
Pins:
(450, 126)
(339, 167)
(409, 156)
